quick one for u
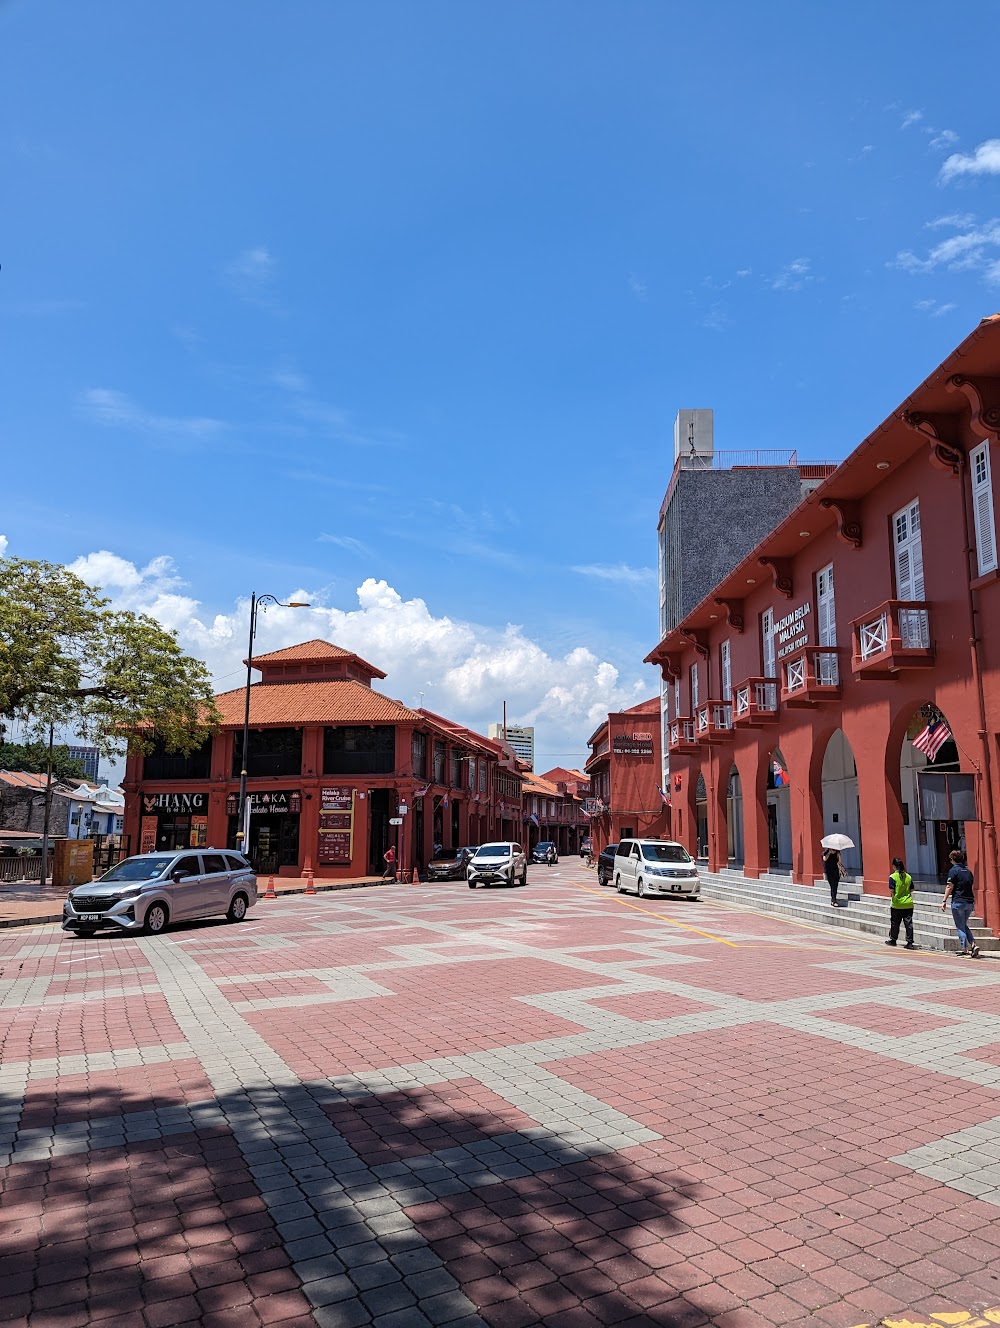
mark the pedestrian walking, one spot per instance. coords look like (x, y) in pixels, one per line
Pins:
(959, 893)
(832, 870)
(901, 910)
(389, 858)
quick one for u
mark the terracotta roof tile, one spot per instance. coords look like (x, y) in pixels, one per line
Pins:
(335, 701)
(314, 651)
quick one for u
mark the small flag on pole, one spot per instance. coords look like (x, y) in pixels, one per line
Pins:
(932, 739)
(664, 796)
(780, 774)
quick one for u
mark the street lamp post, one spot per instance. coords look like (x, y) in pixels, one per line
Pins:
(256, 601)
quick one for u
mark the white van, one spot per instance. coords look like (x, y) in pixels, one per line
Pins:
(651, 867)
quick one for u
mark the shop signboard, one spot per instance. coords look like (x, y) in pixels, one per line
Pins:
(183, 803)
(336, 825)
(199, 831)
(274, 802)
(632, 744)
(147, 834)
(792, 631)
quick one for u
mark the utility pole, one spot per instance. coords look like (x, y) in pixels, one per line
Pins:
(44, 870)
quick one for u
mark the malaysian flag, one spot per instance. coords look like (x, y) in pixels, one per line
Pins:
(932, 739)
(780, 775)
(664, 796)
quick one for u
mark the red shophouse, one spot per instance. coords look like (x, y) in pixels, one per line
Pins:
(331, 763)
(806, 693)
(625, 770)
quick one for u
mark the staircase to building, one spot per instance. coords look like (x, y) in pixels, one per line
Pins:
(869, 914)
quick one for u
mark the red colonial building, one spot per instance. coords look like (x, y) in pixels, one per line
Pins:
(845, 676)
(332, 762)
(625, 769)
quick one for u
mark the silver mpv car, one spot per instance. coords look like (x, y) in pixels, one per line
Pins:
(144, 893)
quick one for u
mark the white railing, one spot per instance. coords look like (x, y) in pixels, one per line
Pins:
(874, 636)
(741, 703)
(722, 716)
(915, 629)
(682, 730)
(766, 695)
(702, 719)
(795, 674)
(827, 666)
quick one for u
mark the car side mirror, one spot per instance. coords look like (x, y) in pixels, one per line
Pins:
(177, 875)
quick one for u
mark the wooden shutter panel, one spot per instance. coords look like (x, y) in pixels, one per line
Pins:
(982, 507)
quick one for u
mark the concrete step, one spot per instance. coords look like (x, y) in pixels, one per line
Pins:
(933, 930)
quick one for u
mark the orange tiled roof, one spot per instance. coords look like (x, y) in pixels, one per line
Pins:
(335, 701)
(314, 651)
(643, 707)
(23, 779)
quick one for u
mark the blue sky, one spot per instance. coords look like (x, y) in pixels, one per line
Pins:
(404, 297)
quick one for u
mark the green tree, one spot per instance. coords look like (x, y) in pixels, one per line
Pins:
(114, 678)
(33, 757)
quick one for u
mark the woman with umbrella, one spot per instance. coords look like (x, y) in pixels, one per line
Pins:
(832, 866)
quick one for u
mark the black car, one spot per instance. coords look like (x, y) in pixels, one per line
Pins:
(606, 865)
(449, 864)
(545, 851)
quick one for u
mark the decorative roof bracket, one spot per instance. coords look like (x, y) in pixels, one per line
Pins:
(781, 574)
(943, 435)
(983, 396)
(848, 514)
(734, 612)
(696, 638)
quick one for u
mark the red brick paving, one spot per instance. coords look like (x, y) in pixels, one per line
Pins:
(891, 1021)
(72, 1097)
(650, 1005)
(114, 1024)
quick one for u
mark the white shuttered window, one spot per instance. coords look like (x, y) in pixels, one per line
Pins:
(695, 697)
(982, 508)
(767, 643)
(725, 674)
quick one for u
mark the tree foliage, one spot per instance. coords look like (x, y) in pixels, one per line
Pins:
(34, 756)
(112, 676)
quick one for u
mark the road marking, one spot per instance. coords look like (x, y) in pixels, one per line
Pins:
(663, 917)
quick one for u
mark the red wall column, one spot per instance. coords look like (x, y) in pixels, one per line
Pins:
(752, 764)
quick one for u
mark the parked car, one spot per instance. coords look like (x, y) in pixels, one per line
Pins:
(144, 893)
(545, 851)
(449, 864)
(655, 867)
(498, 864)
(586, 846)
(606, 864)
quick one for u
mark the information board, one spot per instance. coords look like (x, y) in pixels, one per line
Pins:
(336, 825)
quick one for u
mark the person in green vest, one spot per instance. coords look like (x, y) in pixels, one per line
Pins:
(901, 910)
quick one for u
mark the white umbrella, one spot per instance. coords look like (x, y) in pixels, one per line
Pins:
(837, 841)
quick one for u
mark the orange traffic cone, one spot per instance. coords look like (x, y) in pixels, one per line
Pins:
(415, 880)
(270, 889)
(310, 883)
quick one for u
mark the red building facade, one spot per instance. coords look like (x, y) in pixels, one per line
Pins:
(624, 769)
(800, 693)
(331, 764)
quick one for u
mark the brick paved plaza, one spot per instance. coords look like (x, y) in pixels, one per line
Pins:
(426, 1105)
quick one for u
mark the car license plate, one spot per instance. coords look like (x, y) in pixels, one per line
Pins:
(677, 887)
(90, 917)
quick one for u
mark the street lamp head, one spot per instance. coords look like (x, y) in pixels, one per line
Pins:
(298, 604)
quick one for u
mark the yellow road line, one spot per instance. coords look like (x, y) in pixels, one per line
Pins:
(662, 916)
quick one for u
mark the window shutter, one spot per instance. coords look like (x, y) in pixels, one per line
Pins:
(982, 508)
(727, 684)
(695, 698)
(767, 633)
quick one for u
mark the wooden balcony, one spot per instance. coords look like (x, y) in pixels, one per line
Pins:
(714, 721)
(683, 735)
(810, 675)
(895, 636)
(755, 702)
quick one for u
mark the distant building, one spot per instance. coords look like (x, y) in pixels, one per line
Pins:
(625, 799)
(89, 758)
(521, 739)
(717, 507)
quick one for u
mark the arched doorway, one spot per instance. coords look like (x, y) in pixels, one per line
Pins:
(841, 805)
(927, 745)
(779, 812)
(701, 816)
(734, 816)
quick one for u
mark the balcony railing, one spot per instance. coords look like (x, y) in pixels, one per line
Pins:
(714, 721)
(811, 674)
(683, 734)
(895, 636)
(755, 701)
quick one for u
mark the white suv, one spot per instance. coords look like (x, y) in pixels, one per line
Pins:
(498, 864)
(655, 867)
(144, 893)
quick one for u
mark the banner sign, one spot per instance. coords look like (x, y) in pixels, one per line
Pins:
(336, 825)
(632, 744)
(174, 802)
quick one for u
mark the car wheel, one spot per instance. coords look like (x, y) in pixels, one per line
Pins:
(601, 878)
(156, 919)
(472, 885)
(641, 889)
(618, 885)
(237, 909)
(524, 877)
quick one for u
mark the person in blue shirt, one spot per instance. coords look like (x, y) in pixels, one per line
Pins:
(960, 894)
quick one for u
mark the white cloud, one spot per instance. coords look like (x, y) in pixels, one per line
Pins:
(251, 275)
(347, 542)
(911, 118)
(942, 138)
(3, 545)
(474, 668)
(638, 288)
(953, 221)
(616, 572)
(794, 275)
(972, 249)
(984, 160)
(933, 309)
(115, 409)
